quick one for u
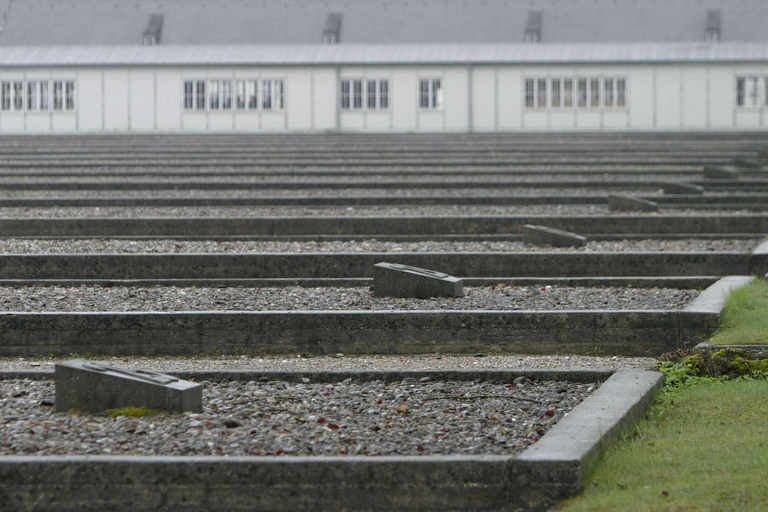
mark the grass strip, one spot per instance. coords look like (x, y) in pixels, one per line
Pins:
(744, 320)
(701, 448)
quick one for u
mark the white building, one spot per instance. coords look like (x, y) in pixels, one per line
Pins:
(351, 79)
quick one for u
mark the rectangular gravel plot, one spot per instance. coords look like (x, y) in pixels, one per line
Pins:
(409, 417)
(293, 298)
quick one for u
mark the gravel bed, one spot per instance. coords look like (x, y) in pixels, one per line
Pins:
(293, 298)
(323, 192)
(640, 179)
(347, 362)
(119, 246)
(366, 211)
(411, 417)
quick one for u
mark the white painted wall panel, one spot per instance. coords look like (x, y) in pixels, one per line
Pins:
(588, 119)
(38, 122)
(615, 120)
(484, 102)
(64, 122)
(220, 121)
(273, 121)
(325, 99)
(378, 121)
(89, 101)
(246, 122)
(169, 99)
(354, 120)
(116, 100)
(298, 98)
(722, 97)
(640, 100)
(747, 119)
(564, 119)
(197, 122)
(694, 101)
(12, 122)
(509, 102)
(142, 98)
(668, 97)
(404, 98)
(456, 107)
(535, 120)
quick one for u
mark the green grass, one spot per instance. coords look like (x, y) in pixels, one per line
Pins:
(744, 319)
(704, 448)
(135, 412)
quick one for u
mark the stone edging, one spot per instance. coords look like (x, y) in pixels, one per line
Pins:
(549, 471)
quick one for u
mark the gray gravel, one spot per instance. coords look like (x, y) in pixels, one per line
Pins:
(323, 192)
(346, 362)
(119, 246)
(275, 418)
(350, 211)
(171, 298)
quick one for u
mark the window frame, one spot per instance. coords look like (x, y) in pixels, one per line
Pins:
(431, 94)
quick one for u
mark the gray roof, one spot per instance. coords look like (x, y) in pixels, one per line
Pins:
(381, 54)
(107, 22)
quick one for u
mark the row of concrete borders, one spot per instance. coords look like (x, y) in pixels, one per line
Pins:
(661, 224)
(638, 333)
(542, 475)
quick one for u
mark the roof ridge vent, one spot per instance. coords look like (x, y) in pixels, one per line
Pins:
(154, 30)
(712, 32)
(332, 30)
(533, 27)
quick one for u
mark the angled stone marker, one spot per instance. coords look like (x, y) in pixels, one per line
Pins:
(682, 188)
(620, 203)
(91, 386)
(396, 280)
(712, 172)
(542, 235)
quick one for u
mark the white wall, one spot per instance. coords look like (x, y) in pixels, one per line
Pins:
(481, 98)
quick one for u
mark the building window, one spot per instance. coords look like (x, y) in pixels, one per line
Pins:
(233, 94)
(58, 95)
(541, 92)
(368, 94)
(529, 93)
(5, 95)
(226, 95)
(272, 94)
(582, 84)
(18, 96)
(555, 93)
(253, 94)
(568, 93)
(431, 94)
(69, 95)
(590, 93)
(240, 95)
(32, 96)
(214, 95)
(189, 95)
(45, 95)
(751, 91)
(357, 94)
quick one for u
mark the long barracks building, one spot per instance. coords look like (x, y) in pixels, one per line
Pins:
(383, 66)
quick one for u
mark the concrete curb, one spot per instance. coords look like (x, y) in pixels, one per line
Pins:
(633, 282)
(712, 300)
(553, 468)
(542, 475)
(109, 267)
(331, 376)
(635, 333)
(406, 225)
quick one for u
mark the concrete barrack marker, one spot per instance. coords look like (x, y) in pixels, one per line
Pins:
(682, 188)
(396, 280)
(620, 203)
(712, 172)
(542, 235)
(95, 387)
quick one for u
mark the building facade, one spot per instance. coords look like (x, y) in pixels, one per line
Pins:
(415, 88)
